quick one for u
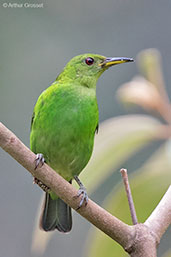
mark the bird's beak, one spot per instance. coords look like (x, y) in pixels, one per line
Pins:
(110, 61)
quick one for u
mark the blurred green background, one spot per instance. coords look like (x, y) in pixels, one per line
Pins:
(35, 45)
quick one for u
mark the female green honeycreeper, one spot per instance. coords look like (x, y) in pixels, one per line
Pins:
(64, 123)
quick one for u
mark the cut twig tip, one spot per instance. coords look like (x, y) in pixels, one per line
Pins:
(129, 195)
(123, 172)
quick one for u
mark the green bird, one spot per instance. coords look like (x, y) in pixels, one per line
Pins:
(64, 123)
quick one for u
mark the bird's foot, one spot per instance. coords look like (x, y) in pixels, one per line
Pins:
(40, 160)
(84, 196)
(81, 192)
(41, 185)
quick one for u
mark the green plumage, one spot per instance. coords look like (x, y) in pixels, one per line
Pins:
(64, 122)
(65, 119)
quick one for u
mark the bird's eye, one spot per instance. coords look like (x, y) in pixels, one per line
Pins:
(89, 61)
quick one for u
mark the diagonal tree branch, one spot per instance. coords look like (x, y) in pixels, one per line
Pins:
(160, 219)
(103, 220)
(139, 240)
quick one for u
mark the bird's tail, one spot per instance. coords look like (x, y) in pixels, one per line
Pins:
(56, 215)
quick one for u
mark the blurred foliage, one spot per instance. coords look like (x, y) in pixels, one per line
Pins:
(148, 185)
(167, 254)
(35, 46)
(150, 181)
(118, 140)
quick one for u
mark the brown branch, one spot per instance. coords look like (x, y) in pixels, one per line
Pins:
(138, 240)
(160, 219)
(129, 196)
(110, 225)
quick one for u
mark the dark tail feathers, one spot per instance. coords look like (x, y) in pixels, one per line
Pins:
(56, 215)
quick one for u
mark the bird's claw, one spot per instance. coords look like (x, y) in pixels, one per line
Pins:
(82, 191)
(41, 185)
(40, 160)
(84, 196)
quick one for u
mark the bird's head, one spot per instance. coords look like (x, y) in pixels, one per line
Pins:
(87, 68)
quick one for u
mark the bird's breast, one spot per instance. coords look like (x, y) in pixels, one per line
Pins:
(64, 128)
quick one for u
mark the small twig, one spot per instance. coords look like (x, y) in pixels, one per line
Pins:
(129, 196)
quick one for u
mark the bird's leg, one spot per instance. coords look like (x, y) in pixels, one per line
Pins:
(82, 191)
(40, 160)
